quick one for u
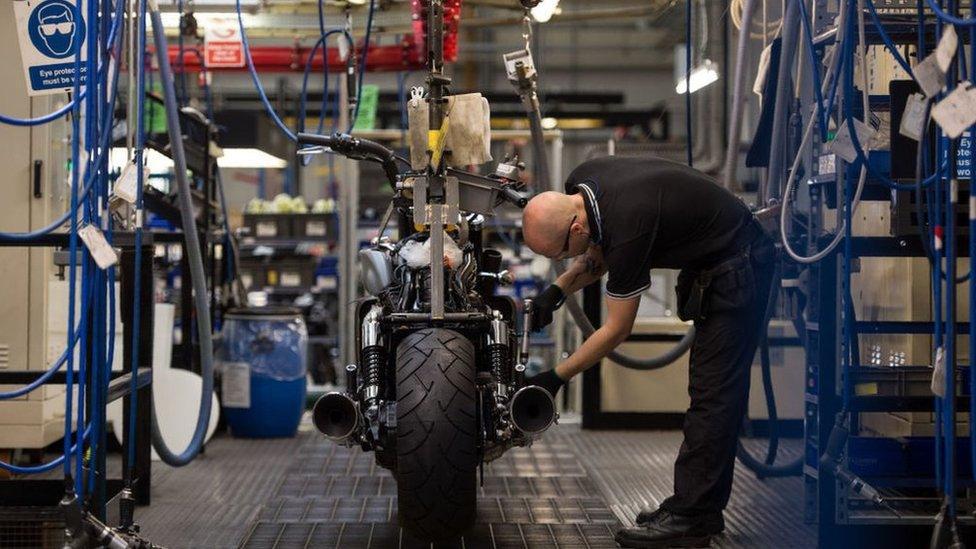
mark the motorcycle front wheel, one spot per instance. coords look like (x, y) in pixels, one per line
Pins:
(437, 434)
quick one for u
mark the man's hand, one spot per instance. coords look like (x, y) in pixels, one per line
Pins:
(544, 305)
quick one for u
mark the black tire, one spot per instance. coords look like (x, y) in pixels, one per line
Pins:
(437, 434)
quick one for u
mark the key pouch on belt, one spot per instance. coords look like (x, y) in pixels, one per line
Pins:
(691, 290)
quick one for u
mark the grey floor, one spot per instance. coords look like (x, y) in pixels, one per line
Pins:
(571, 489)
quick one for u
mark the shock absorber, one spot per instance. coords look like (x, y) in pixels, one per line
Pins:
(373, 359)
(499, 355)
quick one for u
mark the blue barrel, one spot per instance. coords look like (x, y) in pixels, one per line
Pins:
(262, 364)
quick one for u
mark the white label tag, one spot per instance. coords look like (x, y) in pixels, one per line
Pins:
(957, 111)
(101, 251)
(931, 78)
(842, 145)
(938, 373)
(235, 384)
(315, 228)
(946, 49)
(291, 280)
(126, 185)
(913, 119)
(266, 228)
(826, 163)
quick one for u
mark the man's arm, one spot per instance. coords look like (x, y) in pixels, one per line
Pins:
(585, 270)
(620, 320)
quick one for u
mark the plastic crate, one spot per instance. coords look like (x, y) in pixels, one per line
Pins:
(315, 226)
(268, 226)
(290, 274)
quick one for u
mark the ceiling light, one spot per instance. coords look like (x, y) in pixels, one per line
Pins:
(701, 76)
(250, 158)
(545, 10)
(549, 123)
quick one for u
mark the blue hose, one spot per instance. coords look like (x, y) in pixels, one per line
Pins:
(948, 18)
(972, 266)
(49, 466)
(820, 112)
(72, 262)
(257, 80)
(137, 267)
(362, 65)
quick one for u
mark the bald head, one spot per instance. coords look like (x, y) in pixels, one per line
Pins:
(546, 220)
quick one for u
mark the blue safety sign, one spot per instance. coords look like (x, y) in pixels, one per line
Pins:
(50, 32)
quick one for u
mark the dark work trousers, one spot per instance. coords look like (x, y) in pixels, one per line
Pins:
(726, 337)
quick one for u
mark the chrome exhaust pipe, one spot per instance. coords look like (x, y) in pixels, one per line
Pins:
(532, 410)
(336, 416)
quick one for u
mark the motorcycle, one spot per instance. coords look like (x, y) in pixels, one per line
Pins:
(439, 388)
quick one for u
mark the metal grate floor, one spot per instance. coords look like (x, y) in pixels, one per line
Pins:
(336, 497)
(570, 490)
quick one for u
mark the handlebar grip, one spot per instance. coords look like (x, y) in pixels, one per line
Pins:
(316, 139)
(512, 196)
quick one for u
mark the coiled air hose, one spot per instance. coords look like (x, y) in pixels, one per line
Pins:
(195, 259)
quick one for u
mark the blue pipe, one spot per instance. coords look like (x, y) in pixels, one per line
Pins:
(137, 267)
(972, 265)
(362, 64)
(49, 466)
(941, 14)
(820, 111)
(848, 74)
(72, 263)
(257, 81)
(889, 44)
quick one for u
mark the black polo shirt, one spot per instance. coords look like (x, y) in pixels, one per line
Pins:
(654, 213)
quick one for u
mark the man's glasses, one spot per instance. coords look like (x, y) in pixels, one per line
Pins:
(569, 233)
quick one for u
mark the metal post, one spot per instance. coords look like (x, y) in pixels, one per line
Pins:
(348, 242)
(436, 83)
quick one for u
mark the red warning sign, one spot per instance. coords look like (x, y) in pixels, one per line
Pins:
(222, 45)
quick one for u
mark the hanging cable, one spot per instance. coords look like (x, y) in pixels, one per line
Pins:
(139, 151)
(948, 18)
(833, 72)
(195, 258)
(362, 65)
(257, 80)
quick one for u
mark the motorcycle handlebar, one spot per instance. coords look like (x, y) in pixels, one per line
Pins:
(514, 197)
(357, 148)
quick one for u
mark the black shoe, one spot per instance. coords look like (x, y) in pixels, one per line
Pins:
(666, 529)
(715, 522)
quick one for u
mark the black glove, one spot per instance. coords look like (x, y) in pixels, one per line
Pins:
(548, 380)
(544, 305)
